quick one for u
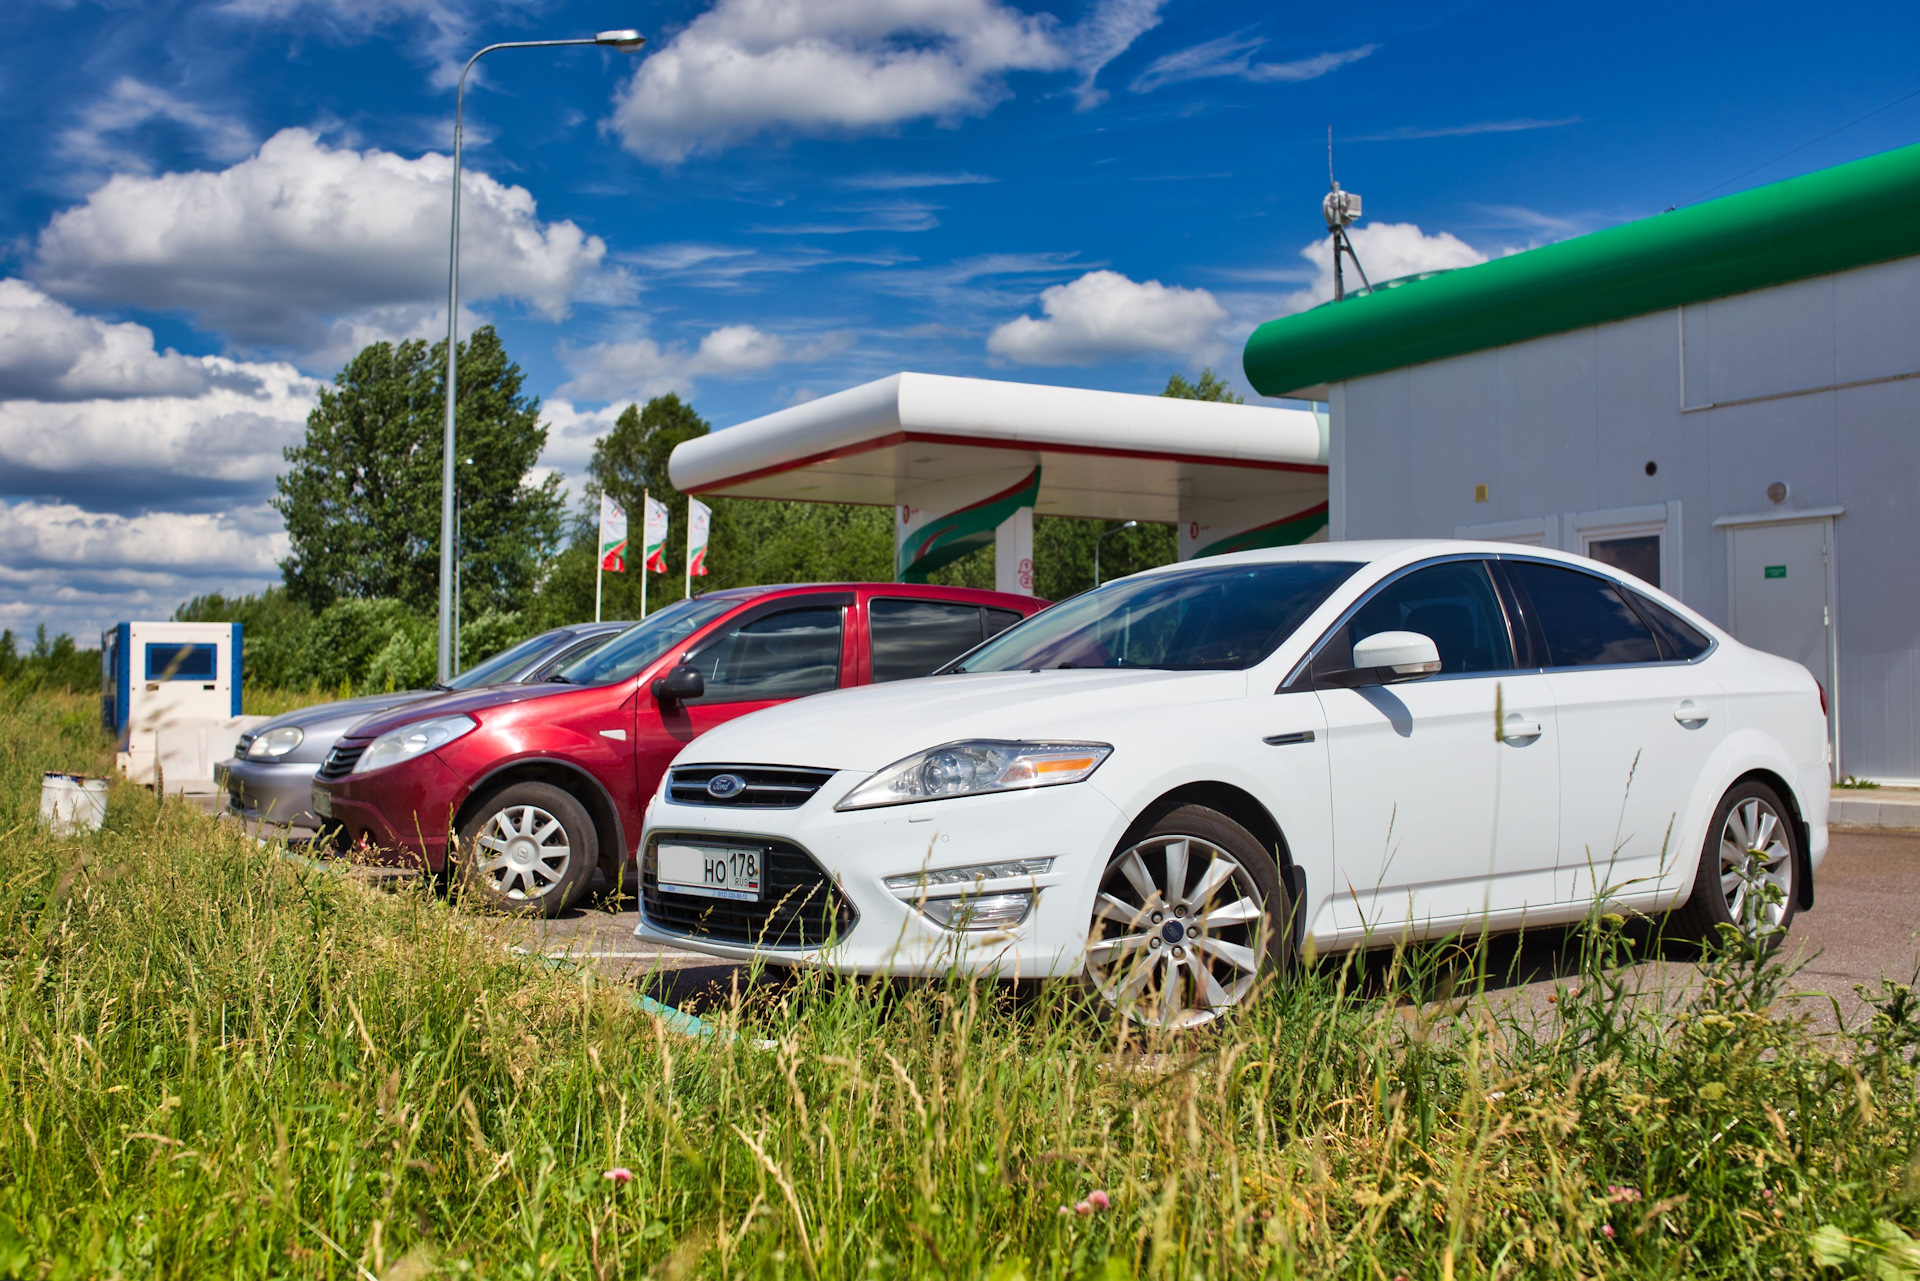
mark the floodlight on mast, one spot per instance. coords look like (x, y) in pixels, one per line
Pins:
(1341, 209)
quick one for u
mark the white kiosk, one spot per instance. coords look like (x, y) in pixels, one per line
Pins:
(171, 693)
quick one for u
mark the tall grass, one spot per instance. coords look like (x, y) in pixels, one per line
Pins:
(219, 1061)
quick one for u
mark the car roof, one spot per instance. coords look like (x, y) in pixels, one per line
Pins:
(1393, 552)
(935, 591)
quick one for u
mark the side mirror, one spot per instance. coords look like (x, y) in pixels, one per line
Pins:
(679, 685)
(1386, 658)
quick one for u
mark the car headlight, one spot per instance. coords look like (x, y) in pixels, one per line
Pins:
(409, 741)
(277, 742)
(974, 767)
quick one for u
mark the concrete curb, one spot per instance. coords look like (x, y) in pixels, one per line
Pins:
(1875, 809)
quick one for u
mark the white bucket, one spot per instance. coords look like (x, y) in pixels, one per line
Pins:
(72, 803)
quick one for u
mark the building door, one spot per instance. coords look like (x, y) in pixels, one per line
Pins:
(1780, 597)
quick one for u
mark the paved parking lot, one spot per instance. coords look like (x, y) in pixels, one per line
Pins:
(1866, 926)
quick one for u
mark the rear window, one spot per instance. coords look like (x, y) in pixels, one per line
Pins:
(1584, 618)
(1679, 639)
(910, 638)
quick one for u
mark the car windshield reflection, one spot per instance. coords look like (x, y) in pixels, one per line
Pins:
(1223, 618)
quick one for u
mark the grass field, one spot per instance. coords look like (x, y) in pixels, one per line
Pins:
(221, 1062)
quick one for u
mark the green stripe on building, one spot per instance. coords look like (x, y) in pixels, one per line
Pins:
(1849, 216)
(1285, 532)
(946, 539)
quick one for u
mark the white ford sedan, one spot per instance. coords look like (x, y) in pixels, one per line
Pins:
(1181, 778)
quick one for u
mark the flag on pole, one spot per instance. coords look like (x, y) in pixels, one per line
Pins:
(613, 536)
(699, 519)
(655, 557)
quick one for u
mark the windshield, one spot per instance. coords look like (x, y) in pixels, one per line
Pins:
(500, 669)
(645, 641)
(1225, 618)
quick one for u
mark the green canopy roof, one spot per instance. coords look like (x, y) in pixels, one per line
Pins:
(1864, 212)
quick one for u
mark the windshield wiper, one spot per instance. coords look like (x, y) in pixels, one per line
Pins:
(442, 686)
(558, 677)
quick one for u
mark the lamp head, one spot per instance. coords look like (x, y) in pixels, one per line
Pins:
(626, 40)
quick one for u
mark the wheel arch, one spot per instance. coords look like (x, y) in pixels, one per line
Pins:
(584, 787)
(1245, 809)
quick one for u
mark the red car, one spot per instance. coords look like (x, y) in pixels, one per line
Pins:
(542, 784)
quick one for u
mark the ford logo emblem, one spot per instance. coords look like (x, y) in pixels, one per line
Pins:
(722, 786)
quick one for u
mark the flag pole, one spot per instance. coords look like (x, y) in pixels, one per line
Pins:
(599, 576)
(643, 552)
(686, 593)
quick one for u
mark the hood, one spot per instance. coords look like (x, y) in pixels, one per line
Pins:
(324, 722)
(872, 726)
(468, 700)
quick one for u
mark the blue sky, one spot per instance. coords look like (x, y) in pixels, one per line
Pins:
(210, 204)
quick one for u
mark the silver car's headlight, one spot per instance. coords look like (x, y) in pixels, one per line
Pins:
(974, 767)
(276, 742)
(409, 741)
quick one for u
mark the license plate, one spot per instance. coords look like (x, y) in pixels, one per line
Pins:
(710, 871)
(322, 802)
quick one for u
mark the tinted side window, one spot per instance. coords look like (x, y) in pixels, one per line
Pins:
(914, 637)
(1452, 604)
(1586, 622)
(786, 655)
(998, 620)
(1678, 638)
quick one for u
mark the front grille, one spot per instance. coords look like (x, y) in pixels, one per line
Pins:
(340, 761)
(799, 906)
(768, 787)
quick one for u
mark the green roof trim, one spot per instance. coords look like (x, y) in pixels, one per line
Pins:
(1848, 216)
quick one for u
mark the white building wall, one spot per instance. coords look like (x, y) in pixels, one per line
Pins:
(1812, 383)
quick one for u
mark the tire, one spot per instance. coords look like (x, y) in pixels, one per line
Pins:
(1144, 958)
(1749, 872)
(528, 848)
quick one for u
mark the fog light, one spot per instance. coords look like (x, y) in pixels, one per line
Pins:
(913, 884)
(985, 912)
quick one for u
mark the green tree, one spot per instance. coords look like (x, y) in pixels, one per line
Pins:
(1208, 388)
(361, 498)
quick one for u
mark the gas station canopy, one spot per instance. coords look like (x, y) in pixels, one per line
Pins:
(1102, 454)
(965, 463)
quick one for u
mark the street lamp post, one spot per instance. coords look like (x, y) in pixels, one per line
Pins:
(1103, 538)
(627, 41)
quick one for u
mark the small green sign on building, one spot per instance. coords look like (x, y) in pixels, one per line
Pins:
(1776, 571)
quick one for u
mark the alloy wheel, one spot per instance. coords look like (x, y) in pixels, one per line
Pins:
(1756, 866)
(1179, 930)
(524, 852)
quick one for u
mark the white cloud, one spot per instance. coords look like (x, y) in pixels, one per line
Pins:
(639, 368)
(1232, 56)
(273, 249)
(130, 104)
(79, 571)
(1387, 250)
(91, 412)
(851, 66)
(1105, 316)
(50, 352)
(1407, 133)
(1108, 32)
(908, 181)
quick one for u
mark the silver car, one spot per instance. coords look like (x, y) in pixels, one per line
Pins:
(271, 774)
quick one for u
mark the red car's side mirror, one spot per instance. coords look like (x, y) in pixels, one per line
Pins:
(679, 685)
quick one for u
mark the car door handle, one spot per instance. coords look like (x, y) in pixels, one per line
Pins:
(1284, 740)
(1690, 714)
(1515, 727)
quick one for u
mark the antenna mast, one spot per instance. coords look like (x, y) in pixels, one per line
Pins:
(1341, 209)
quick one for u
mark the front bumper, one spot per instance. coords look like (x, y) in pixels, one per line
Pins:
(1074, 825)
(278, 793)
(402, 812)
